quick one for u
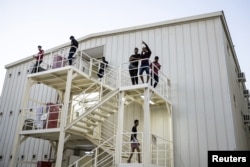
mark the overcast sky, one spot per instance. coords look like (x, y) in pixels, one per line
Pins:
(24, 24)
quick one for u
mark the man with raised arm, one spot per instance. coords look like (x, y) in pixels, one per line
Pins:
(145, 55)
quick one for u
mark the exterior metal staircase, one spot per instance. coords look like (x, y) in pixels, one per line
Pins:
(94, 115)
(89, 114)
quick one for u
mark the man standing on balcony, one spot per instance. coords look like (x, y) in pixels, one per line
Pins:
(73, 48)
(39, 59)
(155, 67)
(134, 142)
(103, 65)
(133, 66)
(145, 55)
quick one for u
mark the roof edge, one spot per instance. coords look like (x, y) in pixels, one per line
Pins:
(134, 28)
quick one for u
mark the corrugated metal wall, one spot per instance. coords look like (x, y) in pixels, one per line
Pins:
(11, 101)
(194, 56)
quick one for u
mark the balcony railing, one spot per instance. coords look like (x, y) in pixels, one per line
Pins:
(114, 76)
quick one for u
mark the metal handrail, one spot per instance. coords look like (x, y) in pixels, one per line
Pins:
(163, 86)
(161, 151)
(98, 158)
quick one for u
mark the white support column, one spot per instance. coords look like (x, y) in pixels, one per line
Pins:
(119, 133)
(147, 129)
(17, 139)
(63, 119)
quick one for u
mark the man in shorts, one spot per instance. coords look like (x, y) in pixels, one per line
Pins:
(145, 55)
(134, 142)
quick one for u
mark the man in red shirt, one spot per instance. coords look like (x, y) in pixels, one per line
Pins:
(155, 67)
(39, 59)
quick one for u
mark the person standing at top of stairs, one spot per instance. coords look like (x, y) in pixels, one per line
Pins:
(133, 66)
(155, 67)
(103, 65)
(39, 59)
(73, 48)
(145, 55)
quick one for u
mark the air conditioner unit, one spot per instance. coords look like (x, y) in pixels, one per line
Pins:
(246, 118)
(246, 92)
(241, 77)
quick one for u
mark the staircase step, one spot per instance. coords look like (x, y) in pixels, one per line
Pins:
(92, 117)
(100, 114)
(80, 130)
(110, 111)
(72, 131)
(84, 126)
(111, 105)
(89, 123)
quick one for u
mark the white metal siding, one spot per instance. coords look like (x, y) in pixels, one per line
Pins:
(12, 100)
(239, 105)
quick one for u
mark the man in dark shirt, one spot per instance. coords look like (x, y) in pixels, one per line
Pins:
(133, 66)
(145, 55)
(103, 65)
(73, 48)
(134, 142)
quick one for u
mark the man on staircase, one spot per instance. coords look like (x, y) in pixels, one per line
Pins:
(134, 142)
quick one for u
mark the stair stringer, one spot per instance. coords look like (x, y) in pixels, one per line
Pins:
(92, 109)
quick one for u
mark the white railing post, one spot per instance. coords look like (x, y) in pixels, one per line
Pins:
(90, 67)
(77, 164)
(119, 84)
(95, 163)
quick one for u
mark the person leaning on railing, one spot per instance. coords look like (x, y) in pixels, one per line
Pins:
(145, 55)
(103, 65)
(155, 67)
(39, 59)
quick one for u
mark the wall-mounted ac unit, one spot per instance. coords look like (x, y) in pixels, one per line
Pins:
(246, 92)
(246, 118)
(241, 77)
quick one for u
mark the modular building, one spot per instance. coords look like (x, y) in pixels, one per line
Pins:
(64, 115)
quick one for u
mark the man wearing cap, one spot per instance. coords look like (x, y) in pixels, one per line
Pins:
(73, 48)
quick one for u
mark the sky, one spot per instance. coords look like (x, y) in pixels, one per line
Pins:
(25, 24)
